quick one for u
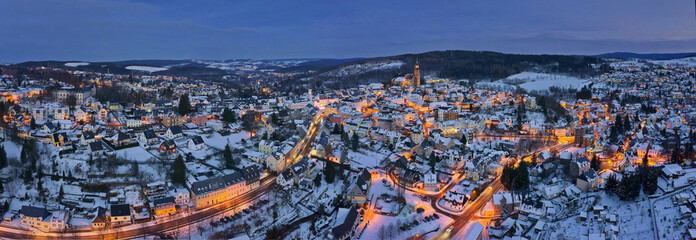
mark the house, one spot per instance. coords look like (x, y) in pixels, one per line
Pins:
(61, 113)
(579, 166)
(251, 177)
(122, 138)
(34, 217)
(81, 115)
(120, 213)
(430, 181)
(48, 127)
(168, 147)
(218, 189)
(181, 196)
(98, 147)
(87, 137)
(346, 222)
(587, 180)
(164, 206)
(358, 191)
(60, 139)
(147, 137)
(195, 143)
(286, 178)
(409, 177)
(174, 132)
(101, 219)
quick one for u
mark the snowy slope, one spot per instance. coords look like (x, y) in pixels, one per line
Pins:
(76, 64)
(146, 68)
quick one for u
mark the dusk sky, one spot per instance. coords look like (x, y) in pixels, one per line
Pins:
(98, 30)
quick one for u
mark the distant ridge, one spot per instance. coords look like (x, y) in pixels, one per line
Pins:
(654, 56)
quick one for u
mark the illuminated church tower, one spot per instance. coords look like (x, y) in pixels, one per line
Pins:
(416, 75)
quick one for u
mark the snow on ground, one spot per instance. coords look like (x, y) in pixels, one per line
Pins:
(12, 149)
(219, 141)
(138, 154)
(632, 219)
(146, 68)
(690, 62)
(368, 159)
(76, 64)
(372, 225)
(542, 81)
(389, 65)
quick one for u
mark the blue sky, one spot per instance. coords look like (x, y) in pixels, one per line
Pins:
(101, 30)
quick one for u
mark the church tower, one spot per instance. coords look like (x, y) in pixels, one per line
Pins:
(416, 75)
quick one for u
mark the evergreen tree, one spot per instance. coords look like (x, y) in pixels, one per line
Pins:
(184, 105)
(229, 116)
(179, 170)
(60, 193)
(3, 157)
(329, 173)
(619, 124)
(611, 184)
(645, 157)
(463, 140)
(317, 180)
(650, 176)
(613, 134)
(508, 175)
(521, 181)
(355, 142)
(627, 124)
(227, 155)
(32, 124)
(595, 163)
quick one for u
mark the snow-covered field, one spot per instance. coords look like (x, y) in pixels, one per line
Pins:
(146, 68)
(362, 68)
(76, 64)
(690, 62)
(542, 81)
(532, 81)
(218, 141)
(138, 154)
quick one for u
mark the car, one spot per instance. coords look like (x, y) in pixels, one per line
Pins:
(420, 210)
(449, 229)
(415, 223)
(384, 180)
(436, 216)
(402, 228)
(229, 218)
(247, 211)
(223, 220)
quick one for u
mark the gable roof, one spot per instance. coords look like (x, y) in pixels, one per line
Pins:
(149, 134)
(176, 130)
(87, 135)
(216, 183)
(344, 221)
(197, 140)
(35, 212)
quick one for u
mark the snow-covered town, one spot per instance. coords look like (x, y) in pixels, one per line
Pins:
(414, 157)
(347, 120)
